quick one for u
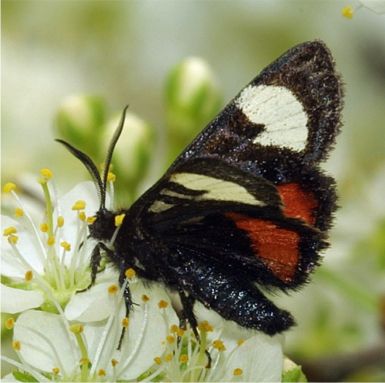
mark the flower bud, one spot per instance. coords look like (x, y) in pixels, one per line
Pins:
(79, 120)
(192, 100)
(132, 153)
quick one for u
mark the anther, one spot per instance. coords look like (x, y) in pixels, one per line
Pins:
(90, 220)
(16, 345)
(125, 322)
(12, 239)
(77, 328)
(145, 298)
(170, 339)
(60, 221)
(347, 11)
(9, 323)
(130, 273)
(65, 245)
(111, 177)
(162, 304)
(28, 276)
(101, 372)
(158, 360)
(205, 326)
(119, 219)
(51, 240)
(46, 174)
(44, 227)
(219, 345)
(56, 370)
(114, 362)
(237, 372)
(112, 289)
(9, 231)
(183, 358)
(79, 205)
(8, 187)
(19, 212)
(240, 342)
(168, 357)
(82, 216)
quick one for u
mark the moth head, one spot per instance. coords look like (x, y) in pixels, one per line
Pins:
(103, 227)
(103, 215)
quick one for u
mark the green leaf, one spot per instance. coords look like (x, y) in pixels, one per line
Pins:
(23, 376)
(294, 375)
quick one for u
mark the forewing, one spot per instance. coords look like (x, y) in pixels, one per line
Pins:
(231, 217)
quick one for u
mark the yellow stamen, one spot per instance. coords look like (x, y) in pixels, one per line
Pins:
(219, 345)
(9, 323)
(79, 205)
(16, 345)
(9, 231)
(114, 362)
(82, 216)
(205, 326)
(65, 245)
(168, 357)
(347, 11)
(170, 339)
(12, 239)
(125, 322)
(28, 276)
(84, 361)
(130, 273)
(183, 358)
(174, 328)
(112, 289)
(162, 304)
(44, 227)
(51, 241)
(90, 220)
(157, 360)
(46, 174)
(8, 187)
(101, 372)
(119, 219)
(145, 298)
(111, 177)
(237, 372)
(19, 212)
(76, 328)
(240, 342)
(60, 221)
(56, 370)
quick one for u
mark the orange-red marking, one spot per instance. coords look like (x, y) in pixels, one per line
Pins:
(277, 247)
(298, 203)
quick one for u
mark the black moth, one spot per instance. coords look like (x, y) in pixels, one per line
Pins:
(245, 204)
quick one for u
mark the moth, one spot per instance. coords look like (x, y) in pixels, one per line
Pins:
(245, 205)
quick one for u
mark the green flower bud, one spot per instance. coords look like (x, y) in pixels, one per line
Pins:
(132, 154)
(80, 120)
(192, 100)
(292, 372)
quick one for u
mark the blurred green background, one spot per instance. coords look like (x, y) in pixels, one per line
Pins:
(122, 53)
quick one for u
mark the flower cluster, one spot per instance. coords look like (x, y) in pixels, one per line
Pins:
(65, 330)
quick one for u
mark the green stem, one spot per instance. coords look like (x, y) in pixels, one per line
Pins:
(84, 357)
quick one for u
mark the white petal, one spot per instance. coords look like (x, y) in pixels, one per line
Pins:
(377, 6)
(16, 300)
(27, 246)
(93, 305)
(85, 191)
(44, 342)
(148, 328)
(260, 358)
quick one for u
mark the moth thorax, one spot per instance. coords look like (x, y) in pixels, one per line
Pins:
(104, 226)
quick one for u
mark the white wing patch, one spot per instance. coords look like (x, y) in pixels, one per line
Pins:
(215, 188)
(280, 111)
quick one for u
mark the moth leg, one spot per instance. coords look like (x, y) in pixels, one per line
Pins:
(127, 302)
(188, 314)
(96, 257)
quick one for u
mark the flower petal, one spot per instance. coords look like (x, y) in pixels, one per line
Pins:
(147, 329)
(44, 342)
(93, 305)
(260, 358)
(27, 246)
(17, 300)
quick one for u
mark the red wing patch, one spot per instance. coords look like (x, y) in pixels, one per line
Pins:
(278, 248)
(298, 203)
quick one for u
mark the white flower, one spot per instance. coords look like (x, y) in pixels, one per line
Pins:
(75, 336)
(46, 262)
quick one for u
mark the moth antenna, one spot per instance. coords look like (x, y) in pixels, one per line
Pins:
(110, 151)
(90, 166)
